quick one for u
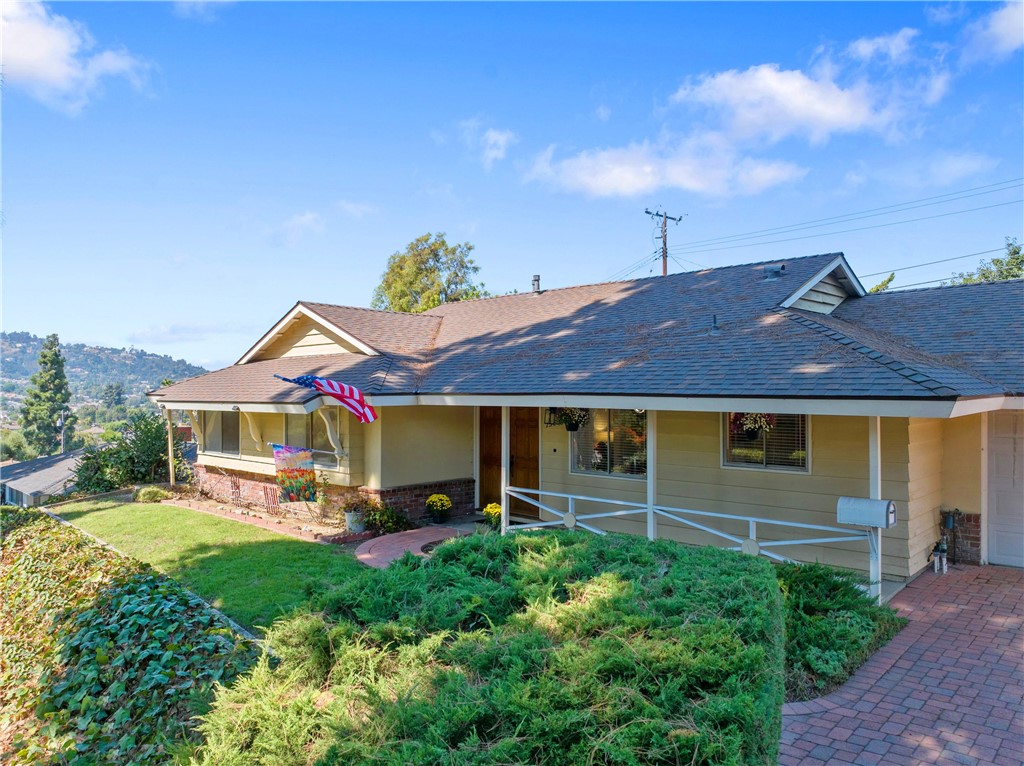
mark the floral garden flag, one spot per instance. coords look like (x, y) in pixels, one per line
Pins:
(295, 473)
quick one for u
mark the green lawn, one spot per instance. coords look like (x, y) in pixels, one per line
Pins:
(250, 574)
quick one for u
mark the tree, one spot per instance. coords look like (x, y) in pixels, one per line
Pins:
(112, 394)
(430, 272)
(14, 447)
(48, 401)
(138, 454)
(884, 284)
(996, 270)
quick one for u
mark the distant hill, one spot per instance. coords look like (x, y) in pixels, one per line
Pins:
(89, 368)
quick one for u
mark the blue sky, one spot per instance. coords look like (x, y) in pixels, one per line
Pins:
(177, 175)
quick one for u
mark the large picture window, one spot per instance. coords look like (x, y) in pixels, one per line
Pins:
(765, 440)
(221, 430)
(611, 442)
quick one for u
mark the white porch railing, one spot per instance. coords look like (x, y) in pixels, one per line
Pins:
(570, 519)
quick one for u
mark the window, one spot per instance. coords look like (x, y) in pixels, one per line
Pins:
(765, 440)
(221, 432)
(323, 450)
(296, 430)
(611, 442)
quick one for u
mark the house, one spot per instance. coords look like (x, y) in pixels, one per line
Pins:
(33, 482)
(731, 405)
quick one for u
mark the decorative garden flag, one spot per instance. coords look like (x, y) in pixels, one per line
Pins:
(295, 473)
(351, 398)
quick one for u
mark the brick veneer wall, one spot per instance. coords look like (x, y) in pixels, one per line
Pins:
(411, 500)
(968, 541)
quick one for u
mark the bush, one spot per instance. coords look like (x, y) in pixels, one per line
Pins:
(832, 626)
(439, 507)
(382, 519)
(492, 512)
(138, 454)
(150, 495)
(104, 661)
(559, 648)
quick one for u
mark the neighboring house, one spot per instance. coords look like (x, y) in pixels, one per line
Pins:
(913, 396)
(34, 482)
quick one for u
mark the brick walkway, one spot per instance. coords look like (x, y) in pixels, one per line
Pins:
(381, 551)
(948, 690)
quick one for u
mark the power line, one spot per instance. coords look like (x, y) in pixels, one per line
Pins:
(860, 214)
(625, 272)
(860, 228)
(931, 263)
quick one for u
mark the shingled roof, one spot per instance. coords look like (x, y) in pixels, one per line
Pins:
(711, 333)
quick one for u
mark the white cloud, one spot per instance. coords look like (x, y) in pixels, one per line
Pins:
(204, 10)
(772, 103)
(299, 225)
(355, 209)
(603, 113)
(495, 144)
(945, 14)
(928, 172)
(895, 47)
(51, 57)
(492, 143)
(705, 164)
(997, 36)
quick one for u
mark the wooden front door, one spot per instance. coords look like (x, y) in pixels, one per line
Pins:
(524, 455)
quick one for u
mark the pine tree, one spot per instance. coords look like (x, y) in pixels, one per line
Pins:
(48, 396)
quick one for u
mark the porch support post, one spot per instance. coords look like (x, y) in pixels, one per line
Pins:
(170, 445)
(983, 475)
(875, 493)
(652, 473)
(504, 468)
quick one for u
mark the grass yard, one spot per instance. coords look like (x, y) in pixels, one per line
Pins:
(252, 575)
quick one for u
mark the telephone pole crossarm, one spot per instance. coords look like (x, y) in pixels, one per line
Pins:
(665, 218)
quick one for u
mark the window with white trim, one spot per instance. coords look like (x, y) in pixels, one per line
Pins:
(221, 431)
(611, 443)
(765, 440)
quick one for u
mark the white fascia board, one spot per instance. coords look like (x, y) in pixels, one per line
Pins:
(890, 408)
(297, 310)
(838, 263)
(291, 409)
(986, 404)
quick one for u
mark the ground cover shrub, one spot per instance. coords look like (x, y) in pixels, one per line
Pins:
(103, 660)
(832, 627)
(382, 519)
(151, 495)
(550, 648)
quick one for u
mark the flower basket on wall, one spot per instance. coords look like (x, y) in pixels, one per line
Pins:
(571, 417)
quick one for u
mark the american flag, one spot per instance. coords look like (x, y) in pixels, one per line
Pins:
(351, 398)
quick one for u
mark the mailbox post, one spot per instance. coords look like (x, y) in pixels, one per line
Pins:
(876, 515)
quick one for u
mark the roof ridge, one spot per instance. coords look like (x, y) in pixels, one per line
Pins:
(898, 290)
(640, 279)
(383, 312)
(898, 366)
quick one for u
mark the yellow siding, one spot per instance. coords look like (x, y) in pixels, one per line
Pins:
(690, 475)
(425, 444)
(269, 427)
(961, 464)
(924, 488)
(304, 337)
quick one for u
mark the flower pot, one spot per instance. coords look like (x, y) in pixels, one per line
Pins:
(354, 522)
(572, 426)
(753, 434)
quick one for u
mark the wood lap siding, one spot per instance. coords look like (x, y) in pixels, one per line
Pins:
(823, 297)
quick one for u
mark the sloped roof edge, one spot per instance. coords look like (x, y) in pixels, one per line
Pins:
(300, 308)
(839, 263)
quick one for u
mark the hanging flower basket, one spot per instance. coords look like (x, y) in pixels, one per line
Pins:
(752, 423)
(571, 417)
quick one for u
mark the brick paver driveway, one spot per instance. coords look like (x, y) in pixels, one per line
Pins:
(947, 690)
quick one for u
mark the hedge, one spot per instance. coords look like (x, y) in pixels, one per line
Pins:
(103, 660)
(551, 648)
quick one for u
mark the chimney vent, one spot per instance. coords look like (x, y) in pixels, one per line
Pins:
(774, 271)
(536, 283)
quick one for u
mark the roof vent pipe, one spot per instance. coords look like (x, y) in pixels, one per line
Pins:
(774, 270)
(536, 283)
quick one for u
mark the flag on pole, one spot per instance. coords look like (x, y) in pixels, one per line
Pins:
(351, 398)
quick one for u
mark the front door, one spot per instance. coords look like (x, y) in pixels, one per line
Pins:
(1006, 488)
(524, 455)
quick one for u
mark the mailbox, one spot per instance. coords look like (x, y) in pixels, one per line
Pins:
(865, 512)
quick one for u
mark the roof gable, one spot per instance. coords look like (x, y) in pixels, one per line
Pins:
(827, 289)
(303, 332)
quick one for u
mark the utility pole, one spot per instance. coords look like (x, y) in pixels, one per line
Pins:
(665, 218)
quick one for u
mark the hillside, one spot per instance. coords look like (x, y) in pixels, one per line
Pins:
(89, 368)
